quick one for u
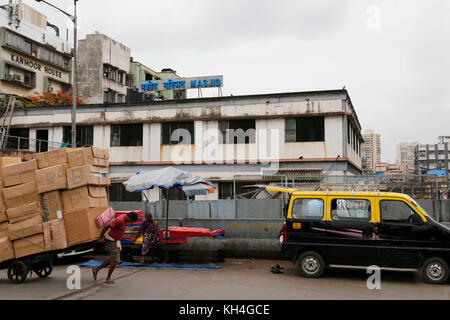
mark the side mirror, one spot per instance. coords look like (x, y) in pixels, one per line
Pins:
(417, 220)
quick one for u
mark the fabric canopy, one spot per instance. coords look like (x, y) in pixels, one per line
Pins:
(167, 178)
(197, 189)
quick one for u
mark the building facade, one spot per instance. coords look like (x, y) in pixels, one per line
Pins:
(433, 157)
(371, 149)
(32, 58)
(141, 73)
(219, 138)
(406, 156)
(103, 69)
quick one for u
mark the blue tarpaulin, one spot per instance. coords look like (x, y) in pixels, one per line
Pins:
(168, 266)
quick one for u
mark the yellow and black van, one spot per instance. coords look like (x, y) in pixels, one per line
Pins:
(340, 228)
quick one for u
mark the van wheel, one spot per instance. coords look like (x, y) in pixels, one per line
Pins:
(310, 264)
(435, 270)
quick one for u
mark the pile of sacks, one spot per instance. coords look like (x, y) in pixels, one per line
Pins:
(52, 202)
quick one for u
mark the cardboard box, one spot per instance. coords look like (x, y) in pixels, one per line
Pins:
(84, 198)
(6, 161)
(51, 178)
(26, 228)
(6, 249)
(52, 158)
(4, 230)
(81, 227)
(58, 237)
(87, 175)
(19, 173)
(29, 245)
(52, 205)
(3, 216)
(88, 156)
(24, 212)
(20, 195)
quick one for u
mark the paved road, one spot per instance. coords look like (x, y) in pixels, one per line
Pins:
(238, 279)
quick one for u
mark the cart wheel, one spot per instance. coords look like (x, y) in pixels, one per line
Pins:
(17, 272)
(44, 269)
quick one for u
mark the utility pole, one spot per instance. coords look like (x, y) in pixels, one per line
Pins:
(73, 18)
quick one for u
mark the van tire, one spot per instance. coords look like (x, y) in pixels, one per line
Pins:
(310, 264)
(435, 270)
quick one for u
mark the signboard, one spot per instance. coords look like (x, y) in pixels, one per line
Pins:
(182, 83)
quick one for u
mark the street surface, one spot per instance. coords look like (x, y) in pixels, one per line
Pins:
(238, 279)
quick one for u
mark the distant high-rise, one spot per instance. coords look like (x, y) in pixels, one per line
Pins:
(433, 156)
(371, 149)
(405, 155)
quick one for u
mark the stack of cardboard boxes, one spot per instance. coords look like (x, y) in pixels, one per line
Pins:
(51, 203)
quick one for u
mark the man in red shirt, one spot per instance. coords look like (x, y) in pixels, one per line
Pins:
(116, 230)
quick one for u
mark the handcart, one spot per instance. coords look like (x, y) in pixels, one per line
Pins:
(41, 263)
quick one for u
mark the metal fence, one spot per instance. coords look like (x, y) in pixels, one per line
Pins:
(27, 144)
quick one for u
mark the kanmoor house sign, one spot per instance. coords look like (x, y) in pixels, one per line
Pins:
(34, 65)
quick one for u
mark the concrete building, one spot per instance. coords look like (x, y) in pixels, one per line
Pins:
(108, 74)
(390, 168)
(433, 156)
(217, 138)
(33, 58)
(371, 149)
(140, 73)
(406, 155)
(444, 139)
(103, 69)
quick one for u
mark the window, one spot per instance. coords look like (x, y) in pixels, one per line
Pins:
(350, 210)
(238, 131)
(304, 129)
(117, 192)
(307, 209)
(120, 78)
(106, 70)
(148, 76)
(177, 133)
(113, 74)
(109, 96)
(395, 210)
(126, 135)
(28, 78)
(85, 135)
(18, 139)
(27, 47)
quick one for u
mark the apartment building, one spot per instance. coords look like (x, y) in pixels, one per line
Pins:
(406, 155)
(35, 55)
(433, 156)
(371, 149)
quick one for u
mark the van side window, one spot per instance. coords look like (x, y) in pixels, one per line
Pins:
(307, 209)
(350, 210)
(395, 210)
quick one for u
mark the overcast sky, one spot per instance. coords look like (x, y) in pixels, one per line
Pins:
(392, 56)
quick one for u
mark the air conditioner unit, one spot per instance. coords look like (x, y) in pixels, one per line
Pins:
(17, 77)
